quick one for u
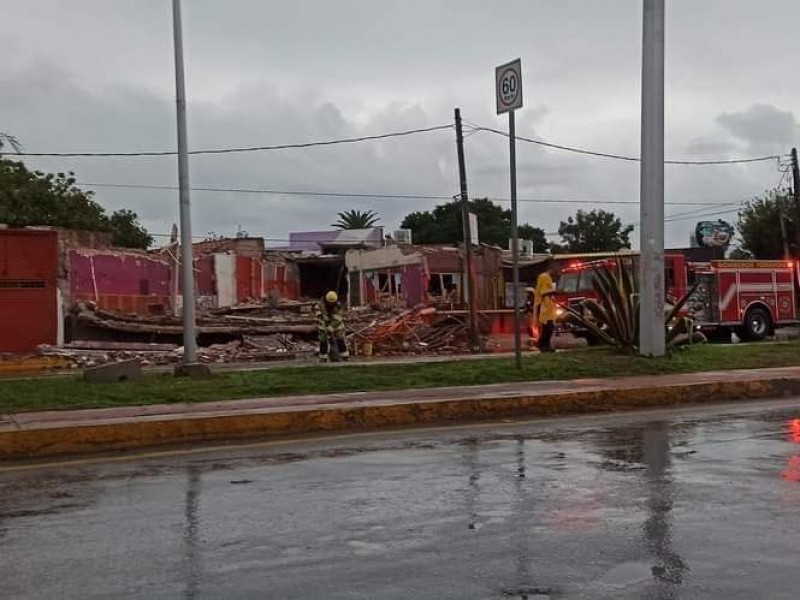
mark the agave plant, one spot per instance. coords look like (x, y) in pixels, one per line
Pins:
(614, 317)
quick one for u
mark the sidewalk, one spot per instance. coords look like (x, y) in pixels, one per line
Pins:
(36, 434)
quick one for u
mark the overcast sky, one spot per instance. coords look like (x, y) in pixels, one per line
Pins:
(97, 75)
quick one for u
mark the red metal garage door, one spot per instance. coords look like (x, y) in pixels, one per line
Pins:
(28, 276)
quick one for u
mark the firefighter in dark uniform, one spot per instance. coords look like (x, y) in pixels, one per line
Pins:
(330, 326)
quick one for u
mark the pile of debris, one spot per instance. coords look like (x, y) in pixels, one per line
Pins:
(82, 354)
(258, 332)
(294, 318)
(416, 331)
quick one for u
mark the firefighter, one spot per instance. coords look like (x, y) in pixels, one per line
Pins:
(530, 315)
(545, 308)
(330, 326)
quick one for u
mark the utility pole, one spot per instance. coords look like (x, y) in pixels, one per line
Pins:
(190, 365)
(651, 311)
(782, 216)
(176, 265)
(796, 191)
(462, 177)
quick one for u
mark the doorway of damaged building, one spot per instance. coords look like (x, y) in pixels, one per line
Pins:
(320, 274)
(28, 289)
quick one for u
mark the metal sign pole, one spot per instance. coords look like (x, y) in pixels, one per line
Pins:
(508, 93)
(651, 311)
(187, 272)
(512, 151)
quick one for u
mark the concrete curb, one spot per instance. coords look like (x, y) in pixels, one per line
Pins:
(160, 430)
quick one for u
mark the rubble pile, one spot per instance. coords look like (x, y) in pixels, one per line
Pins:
(417, 331)
(294, 318)
(258, 332)
(250, 349)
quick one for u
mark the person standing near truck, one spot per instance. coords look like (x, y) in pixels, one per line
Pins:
(545, 308)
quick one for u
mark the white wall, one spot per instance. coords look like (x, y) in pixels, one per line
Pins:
(225, 275)
(382, 258)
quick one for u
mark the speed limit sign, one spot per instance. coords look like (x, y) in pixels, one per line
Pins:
(508, 83)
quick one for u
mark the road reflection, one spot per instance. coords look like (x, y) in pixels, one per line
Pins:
(792, 470)
(191, 534)
(670, 568)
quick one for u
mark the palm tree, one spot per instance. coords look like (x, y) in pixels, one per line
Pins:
(356, 219)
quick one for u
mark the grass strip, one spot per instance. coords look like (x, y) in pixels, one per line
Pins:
(74, 393)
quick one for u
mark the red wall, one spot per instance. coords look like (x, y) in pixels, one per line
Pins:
(28, 296)
(280, 279)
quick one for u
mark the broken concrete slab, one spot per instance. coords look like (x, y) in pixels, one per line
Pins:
(124, 370)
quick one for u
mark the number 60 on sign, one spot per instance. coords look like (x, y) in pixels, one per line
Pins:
(508, 84)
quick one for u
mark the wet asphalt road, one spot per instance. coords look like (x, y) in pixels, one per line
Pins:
(691, 504)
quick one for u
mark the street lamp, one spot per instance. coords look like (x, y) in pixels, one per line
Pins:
(190, 365)
(651, 310)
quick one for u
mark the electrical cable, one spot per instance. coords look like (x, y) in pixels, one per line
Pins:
(379, 196)
(241, 149)
(622, 157)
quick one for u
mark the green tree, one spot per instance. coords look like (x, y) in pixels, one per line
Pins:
(536, 235)
(443, 225)
(759, 225)
(356, 219)
(36, 198)
(127, 232)
(594, 231)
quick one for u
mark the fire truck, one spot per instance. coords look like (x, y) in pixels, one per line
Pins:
(749, 297)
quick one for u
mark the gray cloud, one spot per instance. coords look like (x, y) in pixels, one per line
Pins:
(764, 127)
(96, 75)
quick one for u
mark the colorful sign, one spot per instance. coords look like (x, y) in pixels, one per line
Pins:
(714, 234)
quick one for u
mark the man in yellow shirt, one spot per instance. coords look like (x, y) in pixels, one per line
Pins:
(545, 308)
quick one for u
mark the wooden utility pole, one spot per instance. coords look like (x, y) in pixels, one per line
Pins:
(782, 216)
(796, 193)
(176, 265)
(469, 297)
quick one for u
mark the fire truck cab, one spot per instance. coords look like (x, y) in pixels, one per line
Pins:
(750, 297)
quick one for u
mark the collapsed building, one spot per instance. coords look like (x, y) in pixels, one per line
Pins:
(66, 290)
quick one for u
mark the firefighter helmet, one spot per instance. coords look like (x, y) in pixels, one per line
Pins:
(331, 297)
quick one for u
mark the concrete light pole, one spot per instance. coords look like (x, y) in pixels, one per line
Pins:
(187, 272)
(651, 268)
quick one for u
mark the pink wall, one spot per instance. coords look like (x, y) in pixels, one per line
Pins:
(134, 282)
(129, 282)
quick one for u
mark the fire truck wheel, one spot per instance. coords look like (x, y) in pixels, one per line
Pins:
(757, 324)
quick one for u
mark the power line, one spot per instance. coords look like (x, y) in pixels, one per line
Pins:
(681, 216)
(585, 151)
(352, 140)
(675, 218)
(408, 132)
(270, 192)
(380, 196)
(734, 206)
